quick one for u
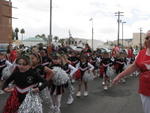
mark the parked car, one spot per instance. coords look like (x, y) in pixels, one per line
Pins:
(77, 48)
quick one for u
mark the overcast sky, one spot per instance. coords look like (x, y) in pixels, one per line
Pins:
(74, 15)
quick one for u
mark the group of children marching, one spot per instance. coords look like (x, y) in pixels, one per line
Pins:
(50, 76)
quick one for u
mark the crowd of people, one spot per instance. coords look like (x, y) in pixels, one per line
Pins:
(39, 76)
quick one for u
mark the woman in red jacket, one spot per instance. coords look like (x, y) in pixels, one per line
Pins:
(142, 63)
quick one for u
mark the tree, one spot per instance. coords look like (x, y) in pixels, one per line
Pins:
(16, 31)
(56, 38)
(61, 41)
(42, 36)
(13, 35)
(22, 32)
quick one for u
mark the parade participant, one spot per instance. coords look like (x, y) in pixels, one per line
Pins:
(45, 59)
(120, 63)
(104, 64)
(142, 63)
(85, 68)
(70, 70)
(24, 79)
(58, 82)
(13, 55)
(95, 61)
(3, 64)
(44, 72)
(87, 50)
(74, 59)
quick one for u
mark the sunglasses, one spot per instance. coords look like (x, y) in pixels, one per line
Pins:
(148, 37)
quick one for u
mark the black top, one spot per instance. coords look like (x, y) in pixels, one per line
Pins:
(2, 62)
(106, 61)
(121, 60)
(46, 60)
(25, 79)
(66, 68)
(74, 60)
(84, 66)
(40, 70)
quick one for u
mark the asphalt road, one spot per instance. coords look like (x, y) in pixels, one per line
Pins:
(122, 98)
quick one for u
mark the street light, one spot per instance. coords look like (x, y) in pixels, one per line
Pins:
(92, 32)
(122, 32)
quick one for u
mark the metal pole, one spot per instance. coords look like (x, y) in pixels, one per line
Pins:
(92, 34)
(118, 14)
(140, 38)
(118, 28)
(50, 29)
(122, 33)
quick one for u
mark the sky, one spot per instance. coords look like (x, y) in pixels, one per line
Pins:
(75, 15)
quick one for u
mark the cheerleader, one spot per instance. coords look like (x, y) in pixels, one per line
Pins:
(120, 63)
(44, 72)
(38, 66)
(104, 64)
(85, 68)
(70, 70)
(45, 59)
(58, 83)
(95, 61)
(3, 64)
(24, 79)
(74, 59)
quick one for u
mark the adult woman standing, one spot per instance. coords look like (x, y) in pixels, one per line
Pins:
(142, 63)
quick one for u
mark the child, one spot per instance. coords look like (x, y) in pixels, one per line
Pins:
(58, 82)
(70, 70)
(3, 64)
(84, 66)
(24, 79)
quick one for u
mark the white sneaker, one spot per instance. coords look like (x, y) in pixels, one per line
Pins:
(57, 110)
(105, 88)
(73, 81)
(103, 83)
(78, 94)
(123, 80)
(70, 100)
(85, 93)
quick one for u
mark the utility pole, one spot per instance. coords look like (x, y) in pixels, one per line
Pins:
(50, 27)
(140, 38)
(118, 14)
(122, 33)
(92, 32)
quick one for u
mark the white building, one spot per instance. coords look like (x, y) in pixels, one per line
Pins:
(33, 41)
(81, 42)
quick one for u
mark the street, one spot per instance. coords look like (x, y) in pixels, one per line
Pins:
(122, 98)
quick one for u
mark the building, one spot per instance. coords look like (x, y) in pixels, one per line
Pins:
(136, 39)
(81, 42)
(5, 22)
(32, 41)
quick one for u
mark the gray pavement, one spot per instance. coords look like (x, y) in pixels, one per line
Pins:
(122, 98)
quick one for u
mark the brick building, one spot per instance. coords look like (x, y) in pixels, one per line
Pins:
(5, 22)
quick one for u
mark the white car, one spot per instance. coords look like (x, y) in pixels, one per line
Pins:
(76, 48)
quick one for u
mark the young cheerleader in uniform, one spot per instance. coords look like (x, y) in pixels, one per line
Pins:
(24, 79)
(84, 66)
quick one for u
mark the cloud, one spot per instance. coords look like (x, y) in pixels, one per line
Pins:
(75, 14)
